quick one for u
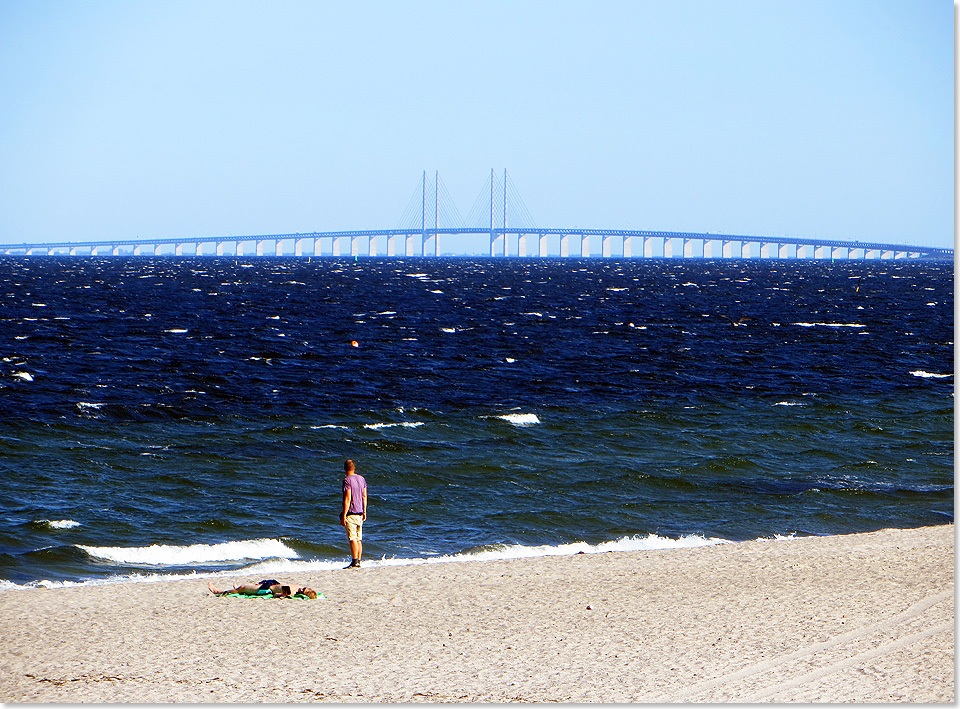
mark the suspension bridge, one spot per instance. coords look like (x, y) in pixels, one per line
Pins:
(498, 216)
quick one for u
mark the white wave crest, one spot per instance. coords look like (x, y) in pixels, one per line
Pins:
(170, 555)
(829, 324)
(634, 543)
(59, 523)
(520, 419)
(929, 375)
(25, 376)
(404, 424)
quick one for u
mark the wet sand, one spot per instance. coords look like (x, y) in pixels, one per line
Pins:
(866, 617)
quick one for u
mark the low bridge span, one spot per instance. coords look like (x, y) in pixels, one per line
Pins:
(521, 242)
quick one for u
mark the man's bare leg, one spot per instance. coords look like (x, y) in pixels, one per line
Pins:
(356, 549)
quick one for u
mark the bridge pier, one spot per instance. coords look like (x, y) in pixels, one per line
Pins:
(542, 245)
(431, 244)
(564, 245)
(606, 246)
(585, 246)
(628, 247)
(498, 244)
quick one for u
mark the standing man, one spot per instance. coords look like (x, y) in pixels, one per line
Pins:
(354, 511)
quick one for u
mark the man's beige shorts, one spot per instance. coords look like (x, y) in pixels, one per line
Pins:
(354, 527)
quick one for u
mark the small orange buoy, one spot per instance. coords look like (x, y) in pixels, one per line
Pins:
(354, 343)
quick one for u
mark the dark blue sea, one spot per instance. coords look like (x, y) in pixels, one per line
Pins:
(166, 416)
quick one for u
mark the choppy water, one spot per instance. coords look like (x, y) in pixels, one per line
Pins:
(167, 416)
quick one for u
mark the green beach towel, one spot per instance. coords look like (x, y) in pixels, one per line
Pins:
(265, 593)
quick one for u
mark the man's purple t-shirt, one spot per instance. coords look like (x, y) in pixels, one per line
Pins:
(356, 485)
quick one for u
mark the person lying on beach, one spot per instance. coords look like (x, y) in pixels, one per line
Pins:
(265, 588)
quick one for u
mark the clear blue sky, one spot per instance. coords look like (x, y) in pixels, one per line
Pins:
(167, 119)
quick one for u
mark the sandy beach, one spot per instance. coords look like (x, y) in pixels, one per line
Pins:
(866, 617)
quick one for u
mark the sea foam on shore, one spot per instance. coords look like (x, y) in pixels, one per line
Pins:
(275, 556)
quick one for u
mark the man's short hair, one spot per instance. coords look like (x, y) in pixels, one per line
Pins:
(349, 466)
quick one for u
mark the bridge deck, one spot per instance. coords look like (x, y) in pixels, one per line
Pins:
(498, 236)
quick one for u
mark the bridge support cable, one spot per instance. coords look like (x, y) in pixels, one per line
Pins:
(412, 213)
(430, 209)
(500, 209)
